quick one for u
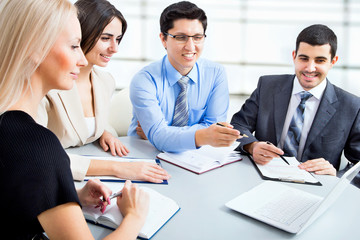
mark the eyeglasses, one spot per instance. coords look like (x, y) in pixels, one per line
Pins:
(198, 38)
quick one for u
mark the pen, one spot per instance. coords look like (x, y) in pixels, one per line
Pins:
(281, 156)
(103, 203)
(292, 180)
(114, 195)
(222, 125)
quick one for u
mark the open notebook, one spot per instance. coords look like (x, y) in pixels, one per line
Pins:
(288, 208)
(278, 170)
(203, 159)
(122, 159)
(161, 210)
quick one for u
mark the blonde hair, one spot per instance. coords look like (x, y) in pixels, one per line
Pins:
(29, 28)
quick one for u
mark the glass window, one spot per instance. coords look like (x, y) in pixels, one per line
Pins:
(250, 38)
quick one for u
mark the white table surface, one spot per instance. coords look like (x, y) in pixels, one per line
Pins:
(202, 199)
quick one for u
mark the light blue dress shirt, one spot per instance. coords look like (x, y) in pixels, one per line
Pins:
(153, 93)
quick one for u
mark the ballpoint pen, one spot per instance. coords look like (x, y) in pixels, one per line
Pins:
(222, 125)
(281, 156)
(114, 195)
(103, 203)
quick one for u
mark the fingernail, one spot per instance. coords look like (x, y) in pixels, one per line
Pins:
(103, 209)
(108, 200)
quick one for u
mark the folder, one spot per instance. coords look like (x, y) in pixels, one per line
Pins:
(278, 170)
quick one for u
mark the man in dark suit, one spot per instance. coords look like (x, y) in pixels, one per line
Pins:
(329, 116)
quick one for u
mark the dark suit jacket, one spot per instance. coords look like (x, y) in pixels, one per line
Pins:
(336, 126)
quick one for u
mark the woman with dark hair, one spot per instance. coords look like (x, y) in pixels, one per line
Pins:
(79, 116)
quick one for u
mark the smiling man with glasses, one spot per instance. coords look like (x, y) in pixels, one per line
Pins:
(178, 100)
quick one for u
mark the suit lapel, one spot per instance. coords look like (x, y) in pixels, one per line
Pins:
(99, 98)
(72, 104)
(324, 113)
(281, 103)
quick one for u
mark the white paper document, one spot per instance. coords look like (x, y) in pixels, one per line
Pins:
(161, 210)
(203, 159)
(278, 169)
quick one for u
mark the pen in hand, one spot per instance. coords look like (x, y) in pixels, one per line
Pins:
(281, 156)
(103, 203)
(222, 125)
(114, 195)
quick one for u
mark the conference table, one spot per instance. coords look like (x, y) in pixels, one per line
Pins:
(202, 199)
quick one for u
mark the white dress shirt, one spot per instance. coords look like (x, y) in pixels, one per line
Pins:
(311, 106)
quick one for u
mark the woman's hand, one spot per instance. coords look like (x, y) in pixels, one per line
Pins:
(108, 141)
(142, 171)
(94, 193)
(133, 202)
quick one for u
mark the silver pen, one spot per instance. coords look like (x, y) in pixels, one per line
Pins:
(114, 195)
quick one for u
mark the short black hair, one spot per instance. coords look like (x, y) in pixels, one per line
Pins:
(94, 16)
(181, 10)
(318, 34)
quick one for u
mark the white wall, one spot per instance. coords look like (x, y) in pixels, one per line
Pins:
(249, 37)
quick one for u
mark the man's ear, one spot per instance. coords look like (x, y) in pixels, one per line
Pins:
(163, 39)
(334, 60)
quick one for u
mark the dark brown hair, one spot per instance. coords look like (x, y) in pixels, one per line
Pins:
(181, 10)
(318, 34)
(94, 16)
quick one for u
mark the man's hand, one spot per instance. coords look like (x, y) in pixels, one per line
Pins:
(140, 132)
(216, 135)
(319, 166)
(262, 152)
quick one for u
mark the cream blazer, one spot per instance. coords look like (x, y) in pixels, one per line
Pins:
(62, 113)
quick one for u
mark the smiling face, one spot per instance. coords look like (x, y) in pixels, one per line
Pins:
(107, 44)
(62, 64)
(312, 64)
(183, 56)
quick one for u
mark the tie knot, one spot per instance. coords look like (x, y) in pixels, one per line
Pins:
(305, 96)
(183, 81)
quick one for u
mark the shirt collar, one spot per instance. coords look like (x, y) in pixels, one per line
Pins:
(317, 91)
(173, 75)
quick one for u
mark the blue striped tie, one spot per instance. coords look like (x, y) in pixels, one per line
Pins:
(292, 140)
(181, 113)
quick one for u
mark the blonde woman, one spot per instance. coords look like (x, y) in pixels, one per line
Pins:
(40, 47)
(79, 116)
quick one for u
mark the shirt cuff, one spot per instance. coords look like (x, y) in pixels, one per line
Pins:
(79, 166)
(187, 140)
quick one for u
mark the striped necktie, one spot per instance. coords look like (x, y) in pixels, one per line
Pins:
(181, 113)
(292, 140)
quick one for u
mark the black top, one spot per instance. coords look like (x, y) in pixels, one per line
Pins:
(35, 174)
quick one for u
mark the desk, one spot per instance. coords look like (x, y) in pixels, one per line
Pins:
(202, 199)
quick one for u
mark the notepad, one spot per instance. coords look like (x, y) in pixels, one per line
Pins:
(278, 170)
(203, 159)
(161, 210)
(122, 159)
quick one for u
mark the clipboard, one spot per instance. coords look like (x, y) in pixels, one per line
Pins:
(307, 179)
